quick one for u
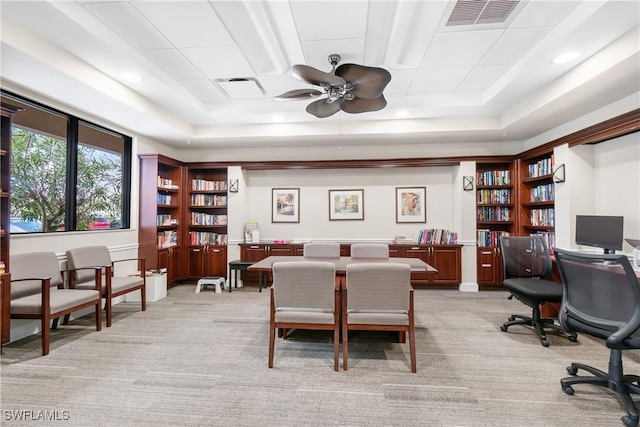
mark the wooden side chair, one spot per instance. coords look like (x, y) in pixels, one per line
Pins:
(84, 260)
(378, 297)
(304, 295)
(37, 292)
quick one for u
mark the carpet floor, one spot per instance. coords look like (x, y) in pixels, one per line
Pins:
(201, 360)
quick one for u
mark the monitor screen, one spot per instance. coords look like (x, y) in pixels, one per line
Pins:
(600, 231)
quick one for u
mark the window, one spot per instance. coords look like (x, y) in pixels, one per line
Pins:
(66, 173)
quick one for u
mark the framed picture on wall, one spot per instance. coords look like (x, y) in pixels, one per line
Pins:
(346, 204)
(285, 205)
(411, 204)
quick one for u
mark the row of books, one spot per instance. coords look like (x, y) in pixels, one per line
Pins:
(549, 237)
(204, 185)
(166, 183)
(487, 238)
(219, 200)
(541, 167)
(496, 195)
(436, 236)
(164, 199)
(543, 217)
(542, 193)
(206, 238)
(201, 218)
(167, 239)
(165, 219)
(494, 213)
(494, 178)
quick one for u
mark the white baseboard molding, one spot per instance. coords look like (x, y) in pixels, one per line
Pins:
(468, 287)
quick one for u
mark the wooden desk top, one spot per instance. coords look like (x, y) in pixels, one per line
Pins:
(341, 263)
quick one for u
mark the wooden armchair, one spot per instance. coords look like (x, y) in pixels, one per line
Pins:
(378, 297)
(37, 293)
(304, 295)
(82, 261)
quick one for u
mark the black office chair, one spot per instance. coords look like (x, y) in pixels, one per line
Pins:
(527, 264)
(602, 299)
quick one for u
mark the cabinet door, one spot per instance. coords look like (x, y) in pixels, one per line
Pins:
(252, 252)
(281, 250)
(395, 251)
(448, 263)
(486, 266)
(422, 252)
(216, 261)
(196, 261)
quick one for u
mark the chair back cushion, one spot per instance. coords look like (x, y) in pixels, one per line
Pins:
(378, 287)
(601, 293)
(370, 250)
(525, 256)
(36, 265)
(304, 284)
(88, 256)
(321, 250)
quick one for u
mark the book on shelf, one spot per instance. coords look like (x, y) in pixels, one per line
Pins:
(167, 239)
(166, 183)
(199, 238)
(494, 177)
(206, 185)
(203, 218)
(216, 200)
(436, 236)
(486, 237)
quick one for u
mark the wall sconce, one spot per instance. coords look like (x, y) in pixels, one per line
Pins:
(558, 173)
(233, 186)
(467, 183)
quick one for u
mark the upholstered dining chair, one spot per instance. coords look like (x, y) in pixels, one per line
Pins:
(378, 297)
(321, 250)
(84, 260)
(304, 295)
(527, 266)
(37, 292)
(602, 299)
(369, 250)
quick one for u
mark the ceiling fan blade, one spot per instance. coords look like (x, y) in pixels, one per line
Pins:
(322, 108)
(316, 77)
(367, 82)
(363, 105)
(298, 94)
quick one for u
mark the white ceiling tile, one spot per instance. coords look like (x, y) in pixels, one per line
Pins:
(400, 82)
(186, 23)
(204, 90)
(173, 63)
(317, 52)
(459, 48)
(219, 62)
(513, 44)
(439, 80)
(330, 20)
(543, 13)
(129, 24)
(482, 77)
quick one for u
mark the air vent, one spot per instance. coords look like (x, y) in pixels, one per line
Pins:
(474, 12)
(241, 88)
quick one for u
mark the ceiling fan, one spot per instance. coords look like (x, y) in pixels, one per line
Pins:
(349, 87)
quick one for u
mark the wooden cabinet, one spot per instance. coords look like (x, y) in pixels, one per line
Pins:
(537, 197)
(161, 217)
(258, 251)
(207, 221)
(495, 217)
(207, 260)
(447, 259)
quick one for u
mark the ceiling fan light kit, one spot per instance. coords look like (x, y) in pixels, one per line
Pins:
(350, 88)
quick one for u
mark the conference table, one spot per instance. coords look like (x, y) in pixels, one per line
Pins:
(265, 265)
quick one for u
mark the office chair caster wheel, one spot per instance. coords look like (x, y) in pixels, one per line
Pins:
(571, 370)
(568, 389)
(573, 338)
(545, 343)
(512, 318)
(503, 328)
(629, 422)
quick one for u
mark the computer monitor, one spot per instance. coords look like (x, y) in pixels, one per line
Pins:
(600, 231)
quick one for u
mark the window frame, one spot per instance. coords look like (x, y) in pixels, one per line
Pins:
(71, 174)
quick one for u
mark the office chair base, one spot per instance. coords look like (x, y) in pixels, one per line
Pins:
(622, 385)
(539, 325)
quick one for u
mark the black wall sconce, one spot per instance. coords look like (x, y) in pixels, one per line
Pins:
(467, 183)
(558, 173)
(233, 186)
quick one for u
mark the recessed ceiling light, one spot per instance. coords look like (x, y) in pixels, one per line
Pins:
(565, 57)
(131, 77)
(402, 114)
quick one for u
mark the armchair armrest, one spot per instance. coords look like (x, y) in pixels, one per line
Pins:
(98, 275)
(45, 292)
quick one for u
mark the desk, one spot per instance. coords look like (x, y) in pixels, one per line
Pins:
(234, 267)
(265, 265)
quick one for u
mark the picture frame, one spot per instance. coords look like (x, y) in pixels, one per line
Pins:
(285, 205)
(411, 204)
(346, 205)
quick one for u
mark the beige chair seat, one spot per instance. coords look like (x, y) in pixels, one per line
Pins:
(386, 317)
(118, 284)
(61, 300)
(301, 315)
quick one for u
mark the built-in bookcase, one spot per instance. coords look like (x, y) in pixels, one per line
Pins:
(495, 217)
(537, 197)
